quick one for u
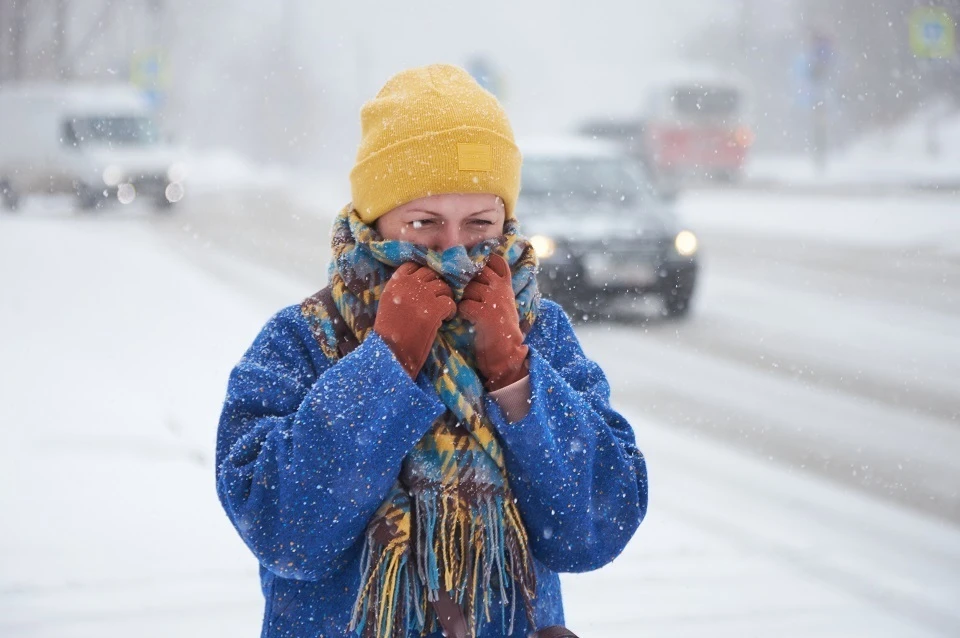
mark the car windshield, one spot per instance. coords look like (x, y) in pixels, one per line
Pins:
(608, 179)
(706, 101)
(126, 130)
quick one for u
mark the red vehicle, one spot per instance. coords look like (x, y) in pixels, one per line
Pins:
(694, 127)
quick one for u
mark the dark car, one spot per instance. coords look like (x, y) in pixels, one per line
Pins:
(602, 233)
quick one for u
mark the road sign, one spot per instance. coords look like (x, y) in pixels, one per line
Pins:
(932, 33)
(149, 73)
(821, 55)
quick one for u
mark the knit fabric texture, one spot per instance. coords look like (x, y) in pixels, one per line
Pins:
(433, 130)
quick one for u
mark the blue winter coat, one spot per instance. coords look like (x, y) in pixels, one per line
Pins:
(307, 450)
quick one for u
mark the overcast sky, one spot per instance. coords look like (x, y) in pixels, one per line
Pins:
(558, 60)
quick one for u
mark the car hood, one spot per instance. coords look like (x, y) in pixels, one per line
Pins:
(587, 222)
(147, 160)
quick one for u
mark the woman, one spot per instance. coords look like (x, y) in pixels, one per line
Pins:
(423, 444)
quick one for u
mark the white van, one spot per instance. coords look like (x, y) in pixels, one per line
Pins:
(97, 142)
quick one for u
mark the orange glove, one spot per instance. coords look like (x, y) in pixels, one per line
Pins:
(489, 304)
(413, 305)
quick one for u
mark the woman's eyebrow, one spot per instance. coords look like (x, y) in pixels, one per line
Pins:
(423, 211)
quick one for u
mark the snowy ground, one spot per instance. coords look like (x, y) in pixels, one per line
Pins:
(800, 427)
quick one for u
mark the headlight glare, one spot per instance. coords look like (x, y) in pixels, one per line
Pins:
(177, 172)
(685, 243)
(126, 193)
(112, 175)
(543, 246)
(173, 192)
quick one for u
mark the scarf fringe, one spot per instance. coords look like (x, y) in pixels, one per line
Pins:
(467, 549)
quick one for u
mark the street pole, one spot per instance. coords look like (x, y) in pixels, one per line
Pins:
(821, 57)
(63, 70)
(19, 9)
(4, 29)
(820, 135)
(746, 21)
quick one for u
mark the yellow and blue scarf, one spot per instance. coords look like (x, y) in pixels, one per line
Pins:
(450, 522)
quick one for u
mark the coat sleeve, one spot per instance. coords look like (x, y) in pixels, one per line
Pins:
(307, 450)
(573, 463)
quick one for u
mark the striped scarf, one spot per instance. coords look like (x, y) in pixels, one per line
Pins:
(450, 522)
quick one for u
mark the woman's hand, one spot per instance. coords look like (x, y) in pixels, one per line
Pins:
(489, 304)
(413, 305)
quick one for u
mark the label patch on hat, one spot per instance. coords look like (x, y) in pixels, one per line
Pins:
(475, 157)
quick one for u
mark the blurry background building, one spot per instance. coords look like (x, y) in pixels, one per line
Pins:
(283, 81)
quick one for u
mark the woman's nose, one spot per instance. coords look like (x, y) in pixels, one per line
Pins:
(448, 237)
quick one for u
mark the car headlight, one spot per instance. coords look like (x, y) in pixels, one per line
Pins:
(177, 172)
(112, 175)
(685, 243)
(173, 192)
(543, 246)
(126, 193)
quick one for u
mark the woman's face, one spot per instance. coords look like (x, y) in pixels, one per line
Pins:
(440, 222)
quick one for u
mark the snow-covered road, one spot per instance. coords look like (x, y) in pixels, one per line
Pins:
(800, 428)
(824, 334)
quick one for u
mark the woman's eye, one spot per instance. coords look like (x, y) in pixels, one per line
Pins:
(482, 222)
(419, 224)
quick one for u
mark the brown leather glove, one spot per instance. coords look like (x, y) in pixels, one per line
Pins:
(413, 305)
(489, 304)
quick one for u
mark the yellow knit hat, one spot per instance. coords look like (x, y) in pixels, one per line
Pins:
(433, 130)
